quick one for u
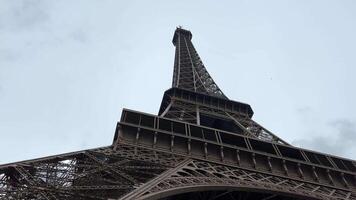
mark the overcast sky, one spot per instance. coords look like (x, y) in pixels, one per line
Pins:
(68, 68)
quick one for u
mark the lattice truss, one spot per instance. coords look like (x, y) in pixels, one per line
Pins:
(131, 172)
(189, 70)
(185, 111)
(182, 111)
(93, 174)
(199, 174)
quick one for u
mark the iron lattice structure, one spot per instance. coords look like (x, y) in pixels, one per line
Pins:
(201, 145)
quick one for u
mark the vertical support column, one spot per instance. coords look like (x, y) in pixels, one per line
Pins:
(222, 153)
(154, 144)
(285, 169)
(205, 150)
(136, 140)
(178, 63)
(300, 171)
(344, 182)
(269, 163)
(172, 143)
(254, 160)
(315, 175)
(192, 65)
(198, 115)
(189, 146)
(238, 159)
(331, 181)
(119, 136)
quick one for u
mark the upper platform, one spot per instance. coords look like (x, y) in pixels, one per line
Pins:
(204, 100)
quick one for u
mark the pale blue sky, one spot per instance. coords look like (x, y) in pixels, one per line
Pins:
(67, 68)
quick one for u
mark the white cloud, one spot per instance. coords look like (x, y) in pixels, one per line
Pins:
(67, 68)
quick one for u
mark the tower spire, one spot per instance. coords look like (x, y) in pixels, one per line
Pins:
(189, 70)
(196, 98)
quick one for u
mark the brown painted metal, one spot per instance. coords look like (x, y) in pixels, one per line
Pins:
(200, 146)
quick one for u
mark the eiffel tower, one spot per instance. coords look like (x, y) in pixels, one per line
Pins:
(201, 145)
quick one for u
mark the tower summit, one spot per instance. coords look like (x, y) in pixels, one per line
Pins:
(189, 71)
(201, 145)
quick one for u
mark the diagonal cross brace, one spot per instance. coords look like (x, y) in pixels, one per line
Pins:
(106, 165)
